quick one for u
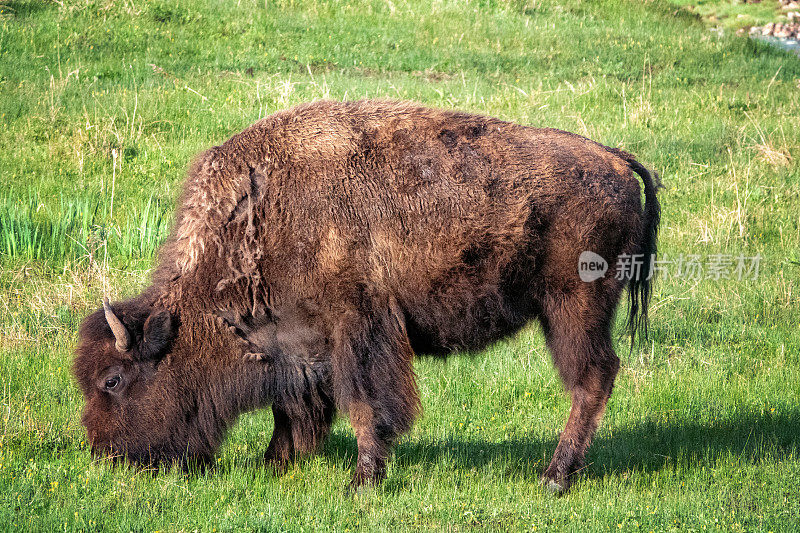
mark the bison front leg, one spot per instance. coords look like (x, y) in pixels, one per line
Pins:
(280, 452)
(374, 383)
(302, 422)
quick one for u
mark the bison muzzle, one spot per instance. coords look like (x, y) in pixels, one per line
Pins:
(314, 253)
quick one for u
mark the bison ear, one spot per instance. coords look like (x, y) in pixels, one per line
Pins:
(158, 334)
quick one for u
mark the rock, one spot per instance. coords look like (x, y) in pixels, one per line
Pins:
(782, 30)
(767, 29)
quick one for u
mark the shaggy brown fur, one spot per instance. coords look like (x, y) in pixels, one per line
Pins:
(317, 251)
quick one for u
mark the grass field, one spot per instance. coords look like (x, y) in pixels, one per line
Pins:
(104, 102)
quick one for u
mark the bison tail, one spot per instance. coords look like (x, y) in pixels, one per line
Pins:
(640, 286)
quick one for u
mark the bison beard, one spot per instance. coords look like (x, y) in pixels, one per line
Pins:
(317, 251)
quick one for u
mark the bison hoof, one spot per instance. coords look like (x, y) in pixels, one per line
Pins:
(255, 357)
(557, 487)
(362, 482)
(278, 465)
(362, 491)
(278, 468)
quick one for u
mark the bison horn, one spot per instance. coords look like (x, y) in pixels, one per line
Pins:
(117, 328)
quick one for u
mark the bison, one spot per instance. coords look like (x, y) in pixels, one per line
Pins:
(316, 252)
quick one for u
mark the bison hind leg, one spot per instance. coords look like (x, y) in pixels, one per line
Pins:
(578, 334)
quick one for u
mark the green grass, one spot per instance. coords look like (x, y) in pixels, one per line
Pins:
(103, 104)
(75, 229)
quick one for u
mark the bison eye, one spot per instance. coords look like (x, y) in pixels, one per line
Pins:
(111, 383)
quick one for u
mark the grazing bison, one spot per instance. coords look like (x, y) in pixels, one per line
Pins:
(317, 251)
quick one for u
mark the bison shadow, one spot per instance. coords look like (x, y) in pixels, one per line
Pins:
(650, 446)
(647, 447)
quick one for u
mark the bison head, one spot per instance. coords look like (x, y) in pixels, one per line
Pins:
(139, 403)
